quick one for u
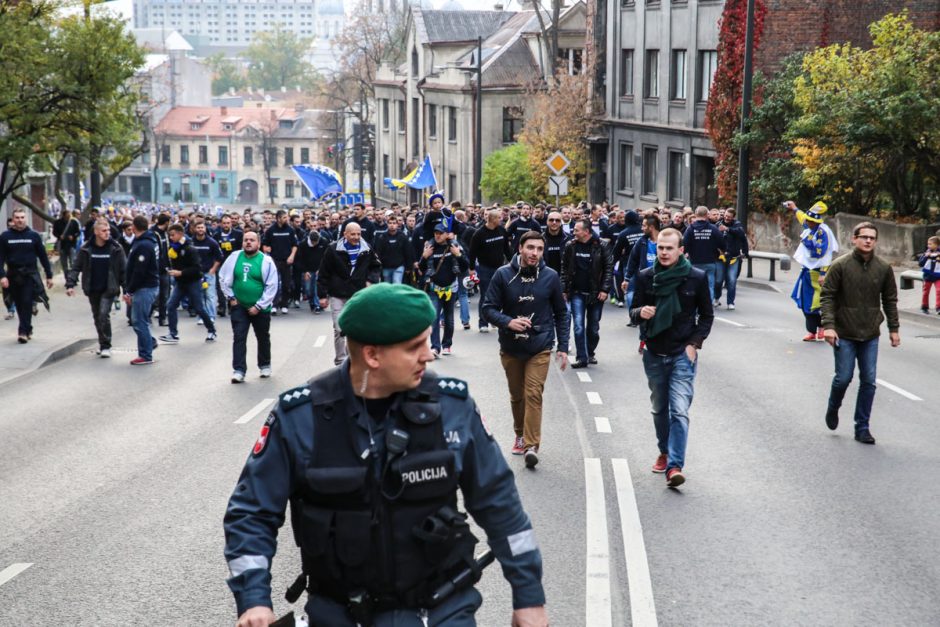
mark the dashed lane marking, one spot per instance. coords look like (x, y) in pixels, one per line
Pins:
(320, 341)
(731, 322)
(594, 398)
(900, 391)
(12, 571)
(254, 411)
(642, 605)
(597, 593)
(602, 424)
(584, 377)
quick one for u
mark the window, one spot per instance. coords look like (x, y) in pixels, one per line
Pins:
(572, 59)
(650, 156)
(626, 72)
(204, 187)
(451, 124)
(203, 154)
(414, 62)
(385, 171)
(165, 154)
(452, 185)
(248, 157)
(288, 189)
(401, 168)
(272, 185)
(512, 124)
(305, 155)
(272, 157)
(401, 115)
(385, 114)
(288, 160)
(432, 121)
(167, 189)
(415, 135)
(625, 174)
(184, 154)
(223, 155)
(223, 188)
(285, 124)
(677, 76)
(651, 75)
(676, 175)
(707, 64)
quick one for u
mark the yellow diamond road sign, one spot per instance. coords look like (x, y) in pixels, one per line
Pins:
(558, 162)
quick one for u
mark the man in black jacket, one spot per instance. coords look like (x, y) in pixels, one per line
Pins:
(310, 254)
(442, 263)
(348, 266)
(185, 268)
(587, 267)
(280, 241)
(523, 224)
(394, 250)
(142, 287)
(101, 264)
(703, 243)
(729, 262)
(673, 303)
(21, 248)
(555, 240)
(631, 233)
(525, 302)
(489, 250)
(163, 265)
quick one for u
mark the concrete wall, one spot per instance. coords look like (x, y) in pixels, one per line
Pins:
(898, 243)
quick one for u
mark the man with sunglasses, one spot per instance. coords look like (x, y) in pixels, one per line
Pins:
(857, 287)
(555, 240)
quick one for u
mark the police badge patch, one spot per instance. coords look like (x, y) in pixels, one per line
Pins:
(262, 442)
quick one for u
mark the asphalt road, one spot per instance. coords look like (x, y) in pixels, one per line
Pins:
(114, 480)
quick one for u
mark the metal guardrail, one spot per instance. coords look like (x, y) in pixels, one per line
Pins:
(908, 277)
(773, 258)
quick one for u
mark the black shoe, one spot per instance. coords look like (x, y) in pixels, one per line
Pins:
(925, 310)
(579, 364)
(592, 360)
(832, 418)
(531, 457)
(631, 324)
(466, 327)
(163, 323)
(864, 437)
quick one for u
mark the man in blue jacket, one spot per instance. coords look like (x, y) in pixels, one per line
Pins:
(703, 245)
(370, 455)
(143, 286)
(526, 303)
(729, 262)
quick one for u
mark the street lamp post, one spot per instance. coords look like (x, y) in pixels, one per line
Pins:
(478, 148)
(744, 154)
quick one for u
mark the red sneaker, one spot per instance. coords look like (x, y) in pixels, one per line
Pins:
(140, 361)
(659, 466)
(675, 478)
(809, 337)
(518, 446)
(820, 335)
(642, 347)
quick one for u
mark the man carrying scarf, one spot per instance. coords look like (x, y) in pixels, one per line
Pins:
(673, 304)
(817, 245)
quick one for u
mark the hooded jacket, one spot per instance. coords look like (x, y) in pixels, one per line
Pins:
(143, 263)
(338, 278)
(534, 293)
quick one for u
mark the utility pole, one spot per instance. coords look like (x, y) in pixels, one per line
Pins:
(744, 170)
(478, 152)
(360, 143)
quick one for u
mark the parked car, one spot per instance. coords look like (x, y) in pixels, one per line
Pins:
(297, 203)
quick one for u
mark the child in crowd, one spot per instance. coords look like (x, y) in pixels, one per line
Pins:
(930, 262)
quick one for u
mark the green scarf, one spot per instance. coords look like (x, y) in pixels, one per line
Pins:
(665, 283)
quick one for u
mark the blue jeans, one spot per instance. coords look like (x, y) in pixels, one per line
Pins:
(586, 313)
(393, 275)
(209, 297)
(727, 276)
(310, 288)
(485, 274)
(464, 301)
(671, 381)
(846, 354)
(710, 269)
(193, 291)
(140, 319)
(446, 306)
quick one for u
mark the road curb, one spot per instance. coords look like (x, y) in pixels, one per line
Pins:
(760, 285)
(930, 320)
(49, 357)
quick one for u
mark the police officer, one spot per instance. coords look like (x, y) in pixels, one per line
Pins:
(370, 455)
(20, 249)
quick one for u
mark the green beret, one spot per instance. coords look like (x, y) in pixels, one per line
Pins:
(386, 313)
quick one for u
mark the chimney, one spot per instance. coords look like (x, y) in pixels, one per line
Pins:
(273, 115)
(498, 6)
(223, 111)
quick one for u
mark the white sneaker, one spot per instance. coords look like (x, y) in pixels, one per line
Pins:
(284, 310)
(211, 337)
(447, 351)
(484, 329)
(104, 353)
(266, 372)
(717, 303)
(731, 307)
(199, 321)
(238, 377)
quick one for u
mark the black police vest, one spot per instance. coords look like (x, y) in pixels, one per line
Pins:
(387, 527)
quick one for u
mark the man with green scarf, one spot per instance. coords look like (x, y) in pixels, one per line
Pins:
(672, 301)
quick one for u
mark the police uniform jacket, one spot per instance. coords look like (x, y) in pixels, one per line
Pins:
(276, 472)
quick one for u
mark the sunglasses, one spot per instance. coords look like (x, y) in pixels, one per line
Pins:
(554, 219)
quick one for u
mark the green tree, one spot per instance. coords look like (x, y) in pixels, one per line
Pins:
(226, 74)
(276, 59)
(506, 174)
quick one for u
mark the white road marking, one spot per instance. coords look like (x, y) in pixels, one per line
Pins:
(597, 593)
(254, 411)
(900, 391)
(602, 424)
(584, 377)
(731, 322)
(12, 571)
(320, 341)
(642, 606)
(594, 398)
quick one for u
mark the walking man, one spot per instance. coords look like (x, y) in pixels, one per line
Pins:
(210, 259)
(489, 250)
(857, 288)
(142, 287)
(20, 249)
(185, 269)
(442, 263)
(249, 282)
(394, 250)
(525, 302)
(704, 243)
(101, 263)
(280, 241)
(587, 268)
(673, 303)
(735, 248)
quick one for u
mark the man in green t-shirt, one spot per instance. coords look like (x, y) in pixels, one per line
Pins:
(249, 283)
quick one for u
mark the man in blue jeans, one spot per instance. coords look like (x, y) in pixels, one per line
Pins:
(442, 263)
(673, 304)
(187, 272)
(704, 243)
(142, 277)
(857, 287)
(587, 269)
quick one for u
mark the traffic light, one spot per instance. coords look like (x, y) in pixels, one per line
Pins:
(330, 151)
(212, 176)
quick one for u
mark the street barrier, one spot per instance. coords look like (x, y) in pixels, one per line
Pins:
(908, 277)
(773, 258)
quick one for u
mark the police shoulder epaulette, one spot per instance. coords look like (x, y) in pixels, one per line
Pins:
(453, 387)
(294, 397)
